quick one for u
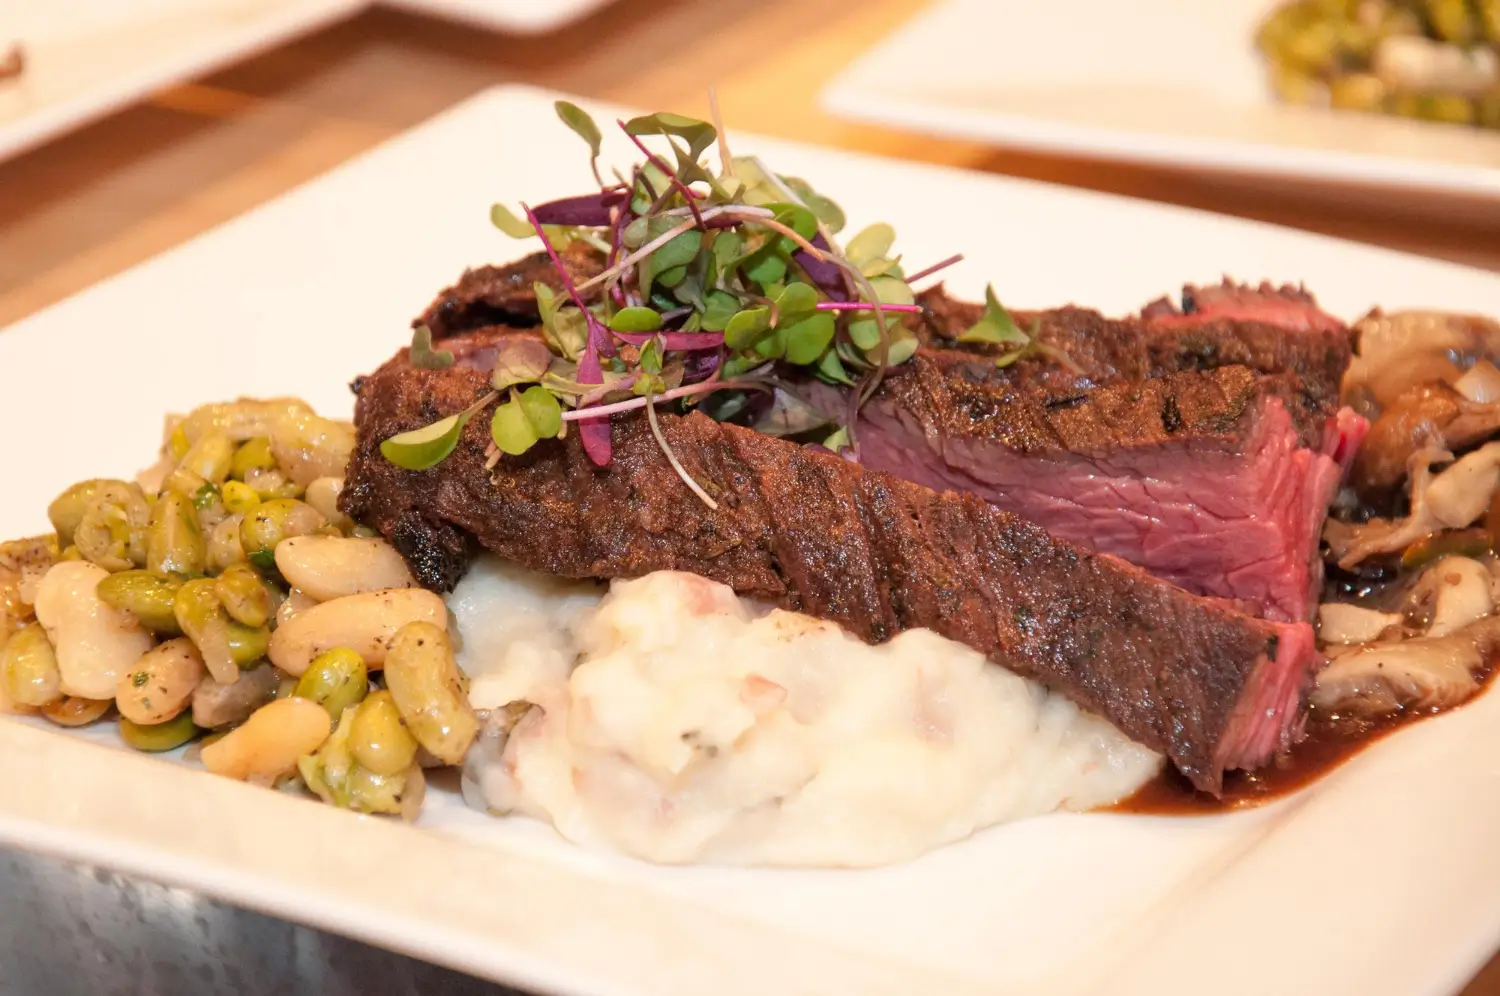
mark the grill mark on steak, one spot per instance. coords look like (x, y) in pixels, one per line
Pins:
(1207, 686)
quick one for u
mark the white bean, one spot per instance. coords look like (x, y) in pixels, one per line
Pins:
(294, 603)
(323, 495)
(365, 623)
(329, 567)
(95, 642)
(270, 742)
(161, 684)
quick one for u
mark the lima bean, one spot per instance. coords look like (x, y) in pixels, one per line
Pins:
(95, 642)
(268, 745)
(161, 684)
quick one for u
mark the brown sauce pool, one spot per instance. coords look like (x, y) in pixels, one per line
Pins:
(1331, 740)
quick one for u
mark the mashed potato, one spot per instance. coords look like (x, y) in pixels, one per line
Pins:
(677, 723)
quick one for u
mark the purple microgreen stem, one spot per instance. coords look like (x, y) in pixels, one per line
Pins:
(671, 174)
(935, 267)
(674, 341)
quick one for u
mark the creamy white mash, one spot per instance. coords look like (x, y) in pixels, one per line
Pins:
(678, 723)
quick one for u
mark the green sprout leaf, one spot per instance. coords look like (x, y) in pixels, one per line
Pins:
(423, 356)
(838, 439)
(421, 449)
(699, 135)
(807, 338)
(796, 301)
(829, 213)
(718, 308)
(871, 243)
(563, 325)
(522, 360)
(636, 319)
(746, 327)
(542, 411)
(527, 417)
(864, 333)
(902, 347)
(995, 326)
(669, 262)
(831, 370)
(578, 119)
(766, 265)
(651, 356)
(509, 222)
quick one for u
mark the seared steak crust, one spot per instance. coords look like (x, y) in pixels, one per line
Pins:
(1115, 350)
(812, 532)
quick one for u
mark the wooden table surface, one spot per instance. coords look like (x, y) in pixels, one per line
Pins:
(102, 199)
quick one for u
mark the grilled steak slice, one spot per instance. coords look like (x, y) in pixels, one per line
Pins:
(1217, 480)
(1209, 687)
(1111, 350)
(499, 295)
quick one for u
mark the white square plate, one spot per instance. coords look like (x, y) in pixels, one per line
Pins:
(521, 17)
(1381, 879)
(1166, 82)
(84, 58)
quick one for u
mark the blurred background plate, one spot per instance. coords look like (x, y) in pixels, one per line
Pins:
(1171, 83)
(514, 16)
(85, 58)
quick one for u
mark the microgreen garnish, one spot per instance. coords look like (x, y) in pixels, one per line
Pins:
(423, 356)
(997, 327)
(717, 289)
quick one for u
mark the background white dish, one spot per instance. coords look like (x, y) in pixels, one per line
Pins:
(1379, 880)
(1174, 83)
(522, 17)
(84, 58)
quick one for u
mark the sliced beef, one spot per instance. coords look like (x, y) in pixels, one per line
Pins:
(1286, 307)
(500, 295)
(1211, 688)
(1204, 443)
(1114, 350)
(1216, 480)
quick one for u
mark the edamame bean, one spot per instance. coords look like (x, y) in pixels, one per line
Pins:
(112, 532)
(210, 457)
(174, 542)
(244, 596)
(149, 597)
(275, 521)
(255, 454)
(379, 740)
(29, 667)
(154, 739)
(336, 679)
